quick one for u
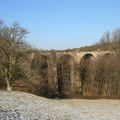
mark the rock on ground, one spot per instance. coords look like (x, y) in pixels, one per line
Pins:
(24, 106)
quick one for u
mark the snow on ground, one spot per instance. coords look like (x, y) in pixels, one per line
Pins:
(24, 106)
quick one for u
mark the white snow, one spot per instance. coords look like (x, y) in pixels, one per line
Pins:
(24, 106)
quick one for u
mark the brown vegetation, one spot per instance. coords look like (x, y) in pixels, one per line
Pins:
(98, 77)
(101, 77)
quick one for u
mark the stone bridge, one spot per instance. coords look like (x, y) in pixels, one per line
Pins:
(61, 69)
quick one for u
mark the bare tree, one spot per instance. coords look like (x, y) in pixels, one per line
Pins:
(11, 48)
(116, 35)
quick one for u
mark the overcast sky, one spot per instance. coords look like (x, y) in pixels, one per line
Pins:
(62, 24)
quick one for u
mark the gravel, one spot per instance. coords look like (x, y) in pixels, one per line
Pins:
(25, 106)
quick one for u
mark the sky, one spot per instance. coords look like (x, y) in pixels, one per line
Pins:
(62, 24)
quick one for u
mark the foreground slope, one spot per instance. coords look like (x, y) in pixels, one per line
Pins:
(24, 106)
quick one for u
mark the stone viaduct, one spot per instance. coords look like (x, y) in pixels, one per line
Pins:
(63, 77)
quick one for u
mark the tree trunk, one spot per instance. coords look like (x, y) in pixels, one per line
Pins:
(9, 87)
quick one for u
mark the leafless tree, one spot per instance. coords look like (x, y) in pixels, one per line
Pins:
(12, 48)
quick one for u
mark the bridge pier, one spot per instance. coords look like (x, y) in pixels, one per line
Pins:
(68, 76)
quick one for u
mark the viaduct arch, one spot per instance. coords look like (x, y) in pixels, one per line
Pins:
(60, 72)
